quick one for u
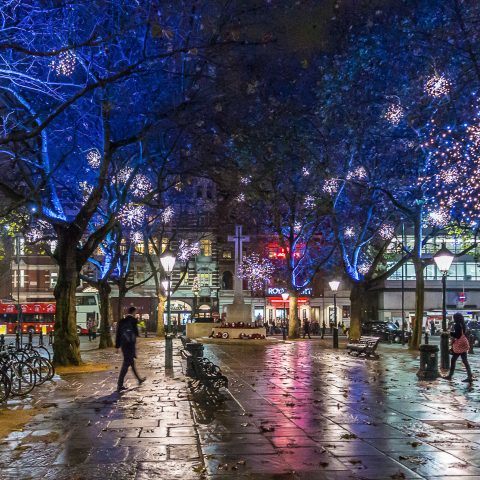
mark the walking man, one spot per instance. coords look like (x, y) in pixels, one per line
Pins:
(126, 339)
(324, 327)
(306, 328)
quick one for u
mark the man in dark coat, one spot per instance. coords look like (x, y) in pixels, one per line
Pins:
(127, 333)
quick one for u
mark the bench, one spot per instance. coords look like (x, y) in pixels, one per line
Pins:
(365, 346)
(204, 373)
(184, 339)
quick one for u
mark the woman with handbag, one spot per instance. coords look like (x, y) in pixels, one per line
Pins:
(460, 347)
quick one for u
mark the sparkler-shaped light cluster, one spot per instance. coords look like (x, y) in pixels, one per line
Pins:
(41, 230)
(331, 186)
(167, 214)
(65, 64)
(349, 232)
(187, 250)
(258, 271)
(132, 216)
(240, 198)
(386, 231)
(364, 268)
(305, 171)
(394, 114)
(94, 158)
(309, 201)
(439, 217)
(437, 86)
(141, 185)
(246, 180)
(358, 173)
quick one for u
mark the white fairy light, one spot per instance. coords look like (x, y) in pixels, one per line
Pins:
(309, 201)
(364, 268)
(439, 217)
(305, 171)
(94, 158)
(331, 186)
(246, 180)
(437, 86)
(86, 188)
(131, 215)
(141, 185)
(258, 271)
(136, 237)
(386, 231)
(358, 173)
(187, 250)
(394, 113)
(240, 198)
(297, 227)
(65, 63)
(123, 176)
(349, 232)
(167, 214)
(450, 175)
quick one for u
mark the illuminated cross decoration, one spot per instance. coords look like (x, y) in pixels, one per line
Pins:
(238, 239)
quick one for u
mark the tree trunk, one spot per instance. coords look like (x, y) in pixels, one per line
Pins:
(160, 314)
(416, 338)
(66, 347)
(104, 290)
(294, 322)
(122, 292)
(357, 293)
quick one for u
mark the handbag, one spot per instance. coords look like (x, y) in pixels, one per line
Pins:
(461, 345)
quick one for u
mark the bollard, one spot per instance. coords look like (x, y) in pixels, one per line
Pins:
(168, 351)
(17, 340)
(30, 338)
(40, 338)
(196, 350)
(50, 337)
(426, 338)
(335, 337)
(2, 341)
(428, 362)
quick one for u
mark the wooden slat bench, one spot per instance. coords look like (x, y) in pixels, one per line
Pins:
(205, 374)
(365, 346)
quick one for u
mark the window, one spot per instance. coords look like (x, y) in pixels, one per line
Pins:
(22, 278)
(86, 301)
(227, 254)
(206, 247)
(205, 279)
(53, 279)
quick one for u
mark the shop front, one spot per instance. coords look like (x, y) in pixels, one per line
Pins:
(278, 308)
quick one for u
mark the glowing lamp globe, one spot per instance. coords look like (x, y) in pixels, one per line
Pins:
(444, 258)
(285, 296)
(168, 262)
(334, 284)
(165, 285)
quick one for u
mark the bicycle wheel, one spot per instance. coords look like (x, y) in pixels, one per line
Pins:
(23, 378)
(43, 369)
(5, 387)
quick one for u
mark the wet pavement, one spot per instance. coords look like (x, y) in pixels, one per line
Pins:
(297, 410)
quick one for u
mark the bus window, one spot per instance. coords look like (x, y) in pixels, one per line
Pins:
(86, 301)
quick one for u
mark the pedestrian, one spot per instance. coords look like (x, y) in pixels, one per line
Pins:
(126, 339)
(324, 328)
(460, 348)
(90, 329)
(432, 328)
(94, 330)
(306, 328)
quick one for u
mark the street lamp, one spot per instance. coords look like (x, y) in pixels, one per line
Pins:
(444, 258)
(18, 239)
(168, 262)
(334, 284)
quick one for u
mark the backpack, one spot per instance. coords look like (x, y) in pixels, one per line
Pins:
(128, 337)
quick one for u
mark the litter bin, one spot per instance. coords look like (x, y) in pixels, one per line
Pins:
(428, 362)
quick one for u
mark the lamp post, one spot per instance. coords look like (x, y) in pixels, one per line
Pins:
(444, 258)
(18, 238)
(168, 262)
(285, 296)
(334, 284)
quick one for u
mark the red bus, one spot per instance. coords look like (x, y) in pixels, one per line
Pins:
(36, 317)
